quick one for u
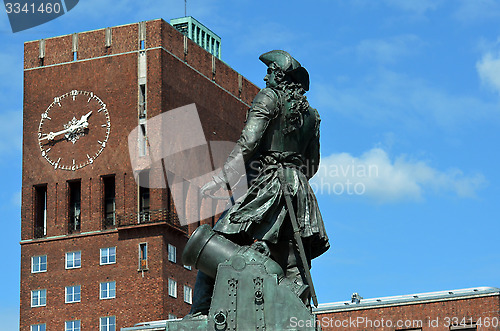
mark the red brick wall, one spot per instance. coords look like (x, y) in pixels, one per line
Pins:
(111, 74)
(435, 316)
(139, 295)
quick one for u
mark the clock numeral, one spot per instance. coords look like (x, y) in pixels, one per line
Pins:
(45, 116)
(91, 160)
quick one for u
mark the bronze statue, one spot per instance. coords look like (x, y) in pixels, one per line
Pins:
(280, 148)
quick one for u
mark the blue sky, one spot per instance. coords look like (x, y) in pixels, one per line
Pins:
(408, 88)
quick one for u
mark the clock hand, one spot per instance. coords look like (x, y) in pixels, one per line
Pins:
(52, 135)
(85, 117)
(82, 123)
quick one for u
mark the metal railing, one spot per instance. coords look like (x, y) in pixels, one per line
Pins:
(150, 216)
(109, 222)
(74, 225)
(39, 232)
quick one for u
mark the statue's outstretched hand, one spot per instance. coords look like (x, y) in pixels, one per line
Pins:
(209, 189)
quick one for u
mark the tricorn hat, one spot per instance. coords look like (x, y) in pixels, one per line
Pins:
(289, 65)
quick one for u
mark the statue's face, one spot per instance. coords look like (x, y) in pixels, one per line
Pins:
(270, 78)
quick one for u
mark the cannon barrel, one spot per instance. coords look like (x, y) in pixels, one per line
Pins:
(205, 250)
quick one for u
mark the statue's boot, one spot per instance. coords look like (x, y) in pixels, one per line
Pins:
(202, 296)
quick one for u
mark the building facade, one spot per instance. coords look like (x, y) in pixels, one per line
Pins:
(465, 309)
(98, 251)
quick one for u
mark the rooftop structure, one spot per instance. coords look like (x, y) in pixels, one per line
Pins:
(198, 33)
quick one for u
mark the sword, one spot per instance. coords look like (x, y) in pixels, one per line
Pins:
(296, 233)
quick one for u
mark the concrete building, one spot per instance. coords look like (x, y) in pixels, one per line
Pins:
(99, 252)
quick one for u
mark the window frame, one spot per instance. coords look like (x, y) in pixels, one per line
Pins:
(73, 326)
(38, 327)
(190, 296)
(39, 264)
(172, 293)
(39, 299)
(73, 294)
(66, 260)
(107, 290)
(107, 318)
(141, 266)
(172, 253)
(108, 255)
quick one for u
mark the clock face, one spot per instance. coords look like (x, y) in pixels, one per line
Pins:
(74, 130)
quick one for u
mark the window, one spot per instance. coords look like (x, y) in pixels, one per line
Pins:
(142, 100)
(72, 325)
(172, 253)
(188, 294)
(72, 294)
(143, 256)
(172, 288)
(73, 260)
(38, 327)
(142, 141)
(108, 255)
(108, 323)
(144, 196)
(108, 290)
(39, 263)
(40, 228)
(74, 211)
(217, 48)
(188, 267)
(109, 206)
(38, 298)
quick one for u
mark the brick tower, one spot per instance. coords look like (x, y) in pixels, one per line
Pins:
(99, 252)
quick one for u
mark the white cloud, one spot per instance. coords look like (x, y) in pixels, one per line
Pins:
(388, 50)
(375, 175)
(415, 6)
(477, 10)
(488, 69)
(414, 104)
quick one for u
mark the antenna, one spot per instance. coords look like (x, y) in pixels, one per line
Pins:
(185, 8)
